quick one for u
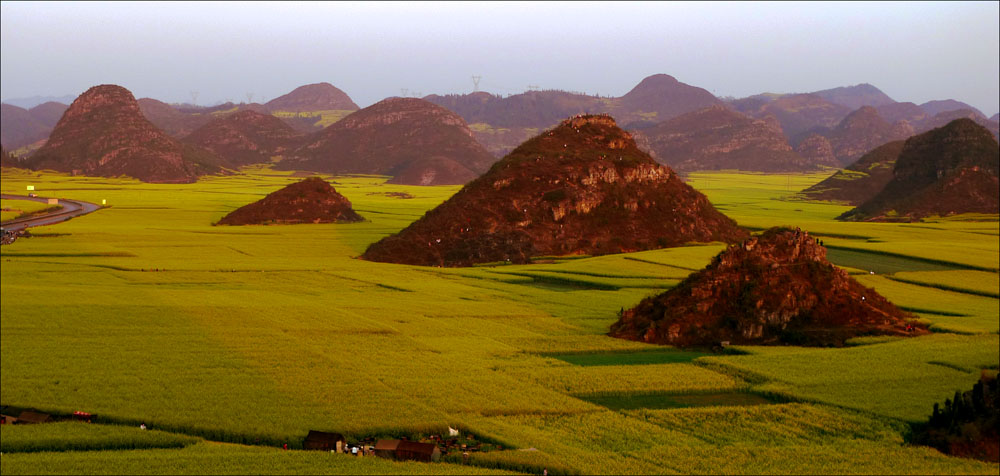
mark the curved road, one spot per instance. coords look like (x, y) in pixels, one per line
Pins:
(71, 208)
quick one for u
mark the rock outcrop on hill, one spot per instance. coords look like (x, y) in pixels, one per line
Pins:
(856, 96)
(104, 133)
(860, 181)
(862, 131)
(945, 171)
(312, 97)
(387, 138)
(245, 137)
(582, 187)
(777, 288)
(817, 150)
(312, 200)
(717, 138)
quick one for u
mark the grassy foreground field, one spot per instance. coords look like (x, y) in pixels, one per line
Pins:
(146, 312)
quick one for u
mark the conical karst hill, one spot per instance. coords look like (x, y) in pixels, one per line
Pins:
(104, 133)
(718, 138)
(582, 187)
(861, 180)
(777, 288)
(246, 137)
(312, 200)
(390, 137)
(945, 171)
(313, 97)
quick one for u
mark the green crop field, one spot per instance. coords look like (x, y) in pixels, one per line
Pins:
(233, 341)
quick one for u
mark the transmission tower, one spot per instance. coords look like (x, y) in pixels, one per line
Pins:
(475, 82)
(403, 92)
(532, 87)
(194, 97)
(417, 94)
(250, 98)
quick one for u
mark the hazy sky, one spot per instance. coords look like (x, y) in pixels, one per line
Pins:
(912, 51)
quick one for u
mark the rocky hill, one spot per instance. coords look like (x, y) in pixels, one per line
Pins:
(582, 187)
(21, 127)
(799, 114)
(312, 97)
(854, 97)
(817, 150)
(945, 171)
(903, 111)
(860, 181)
(104, 133)
(245, 137)
(862, 131)
(660, 97)
(388, 137)
(717, 138)
(434, 170)
(501, 123)
(312, 200)
(774, 289)
(943, 118)
(934, 108)
(170, 119)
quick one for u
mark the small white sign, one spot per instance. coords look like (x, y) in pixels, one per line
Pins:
(31, 188)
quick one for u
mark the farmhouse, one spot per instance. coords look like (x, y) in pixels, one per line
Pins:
(321, 440)
(407, 450)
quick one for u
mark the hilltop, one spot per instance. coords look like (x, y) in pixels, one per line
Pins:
(582, 187)
(21, 127)
(312, 97)
(857, 96)
(245, 137)
(386, 138)
(504, 122)
(312, 200)
(717, 138)
(104, 133)
(777, 288)
(945, 171)
(861, 180)
(863, 130)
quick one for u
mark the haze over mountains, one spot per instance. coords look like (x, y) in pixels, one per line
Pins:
(681, 125)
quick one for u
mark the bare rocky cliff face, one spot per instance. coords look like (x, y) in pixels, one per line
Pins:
(104, 133)
(388, 138)
(312, 200)
(777, 288)
(580, 188)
